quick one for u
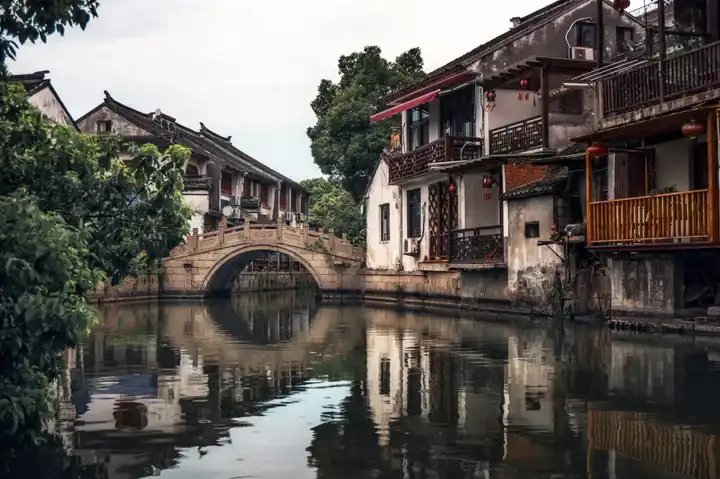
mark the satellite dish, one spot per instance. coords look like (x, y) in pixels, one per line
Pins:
(227, 211)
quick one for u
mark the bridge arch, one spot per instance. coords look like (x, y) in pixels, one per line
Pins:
(221, 274)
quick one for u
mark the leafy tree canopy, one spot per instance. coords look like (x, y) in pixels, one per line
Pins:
(71, 214)
(344, 144)
(332, 206)
(32, 20)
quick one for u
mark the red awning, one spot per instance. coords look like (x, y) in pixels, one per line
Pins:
(421, 100)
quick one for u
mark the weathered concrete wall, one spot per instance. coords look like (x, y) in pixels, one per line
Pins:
(145, 286)
(652, 285)
(484, 285)
(549, 39)
(531, 267)
(119, 125)
(383, 254)
(50, 106)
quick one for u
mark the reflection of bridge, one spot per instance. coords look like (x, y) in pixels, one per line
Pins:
(208, 262)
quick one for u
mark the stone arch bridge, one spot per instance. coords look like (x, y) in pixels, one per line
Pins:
(207, 263)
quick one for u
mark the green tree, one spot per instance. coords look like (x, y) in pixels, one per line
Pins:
(71, 214)
(334, 207)
(33, 20)
(344, 144)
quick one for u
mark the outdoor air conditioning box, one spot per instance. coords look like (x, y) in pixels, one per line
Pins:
(411, 246)
(582, 53)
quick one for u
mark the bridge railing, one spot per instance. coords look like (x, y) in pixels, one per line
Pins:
(271, 233)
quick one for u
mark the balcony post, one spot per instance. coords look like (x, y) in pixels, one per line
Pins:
(544, 102)
(663, 48)
(712, 176)
(588, 197)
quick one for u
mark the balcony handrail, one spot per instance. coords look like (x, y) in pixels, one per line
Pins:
(416, 162)
(659, 195)
(476, 228)
(517, 123)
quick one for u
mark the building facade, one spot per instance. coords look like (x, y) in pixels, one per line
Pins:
(221, 180)
(451, 197)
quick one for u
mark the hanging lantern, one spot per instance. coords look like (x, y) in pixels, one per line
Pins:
(490, 95)
(524, 82)
(487, 182)
(621, 5)
(693, 129)
(451, 188)
(596, 151)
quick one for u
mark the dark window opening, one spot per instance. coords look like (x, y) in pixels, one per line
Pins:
(226, 184)
(624, 37)
(457, 113)
(385, 376)
(418, 126)
(532, 229)
(586, 34)
(103, 127)
(699, 170)
(385, 222)
(263, 193)
(414, 220)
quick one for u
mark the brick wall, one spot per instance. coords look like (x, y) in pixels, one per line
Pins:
(518, 174)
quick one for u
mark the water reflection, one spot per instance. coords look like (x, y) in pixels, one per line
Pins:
(274, 385)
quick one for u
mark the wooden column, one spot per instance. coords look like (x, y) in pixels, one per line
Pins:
(276, 209)
(712, 139)
(588, 197)
(545, 101)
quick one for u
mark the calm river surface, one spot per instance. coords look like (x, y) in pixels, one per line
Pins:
(279, 386)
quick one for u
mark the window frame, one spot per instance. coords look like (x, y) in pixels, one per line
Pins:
(414, 213)
(580, 26)
(418, 129)
(454, 108)
(620, 37)
(384, 222)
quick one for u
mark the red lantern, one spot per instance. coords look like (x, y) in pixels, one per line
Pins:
(524, 82)
(451, 188)
(487, 182)
(490, 95)
(693, 129)
(621, 4)
(596, 151)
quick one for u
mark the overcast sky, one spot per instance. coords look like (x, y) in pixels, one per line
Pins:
(250, 68)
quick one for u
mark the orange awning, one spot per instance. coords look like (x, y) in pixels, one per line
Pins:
(421, 100)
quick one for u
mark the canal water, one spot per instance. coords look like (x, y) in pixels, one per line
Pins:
(280, 386)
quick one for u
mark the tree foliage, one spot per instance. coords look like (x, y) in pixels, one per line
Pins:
(33, 20)
(332, 206)
(344, 144)
(71, 214)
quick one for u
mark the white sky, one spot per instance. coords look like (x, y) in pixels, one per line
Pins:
(250, 69)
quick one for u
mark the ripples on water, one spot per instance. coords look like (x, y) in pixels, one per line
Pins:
(277, 386)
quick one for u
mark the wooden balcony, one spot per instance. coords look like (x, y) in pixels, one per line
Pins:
(477, 245)
(197, 183)
(517, 137)
(651, 220)
(417, 162)
(649, 84)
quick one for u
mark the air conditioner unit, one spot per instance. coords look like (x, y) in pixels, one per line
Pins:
(289, 216)
(582, 53)
(411, 246)
(303, 217)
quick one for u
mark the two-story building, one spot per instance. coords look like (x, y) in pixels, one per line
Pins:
(221, 180)
(455, 197)
(650, 169)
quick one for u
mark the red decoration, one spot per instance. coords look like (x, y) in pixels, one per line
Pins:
(524, 83)
(487, 181)
(693, 129)
(451, 188)
(621, 4)
(596, 151)
(490, 95)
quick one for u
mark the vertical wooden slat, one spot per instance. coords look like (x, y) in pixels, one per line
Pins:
(588, 197)
(712, 196)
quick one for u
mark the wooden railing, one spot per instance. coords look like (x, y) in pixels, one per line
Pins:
(197, 183)
(477, 245)
(417, 162)
(649, 84)
(657, 219)
(516, 137)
